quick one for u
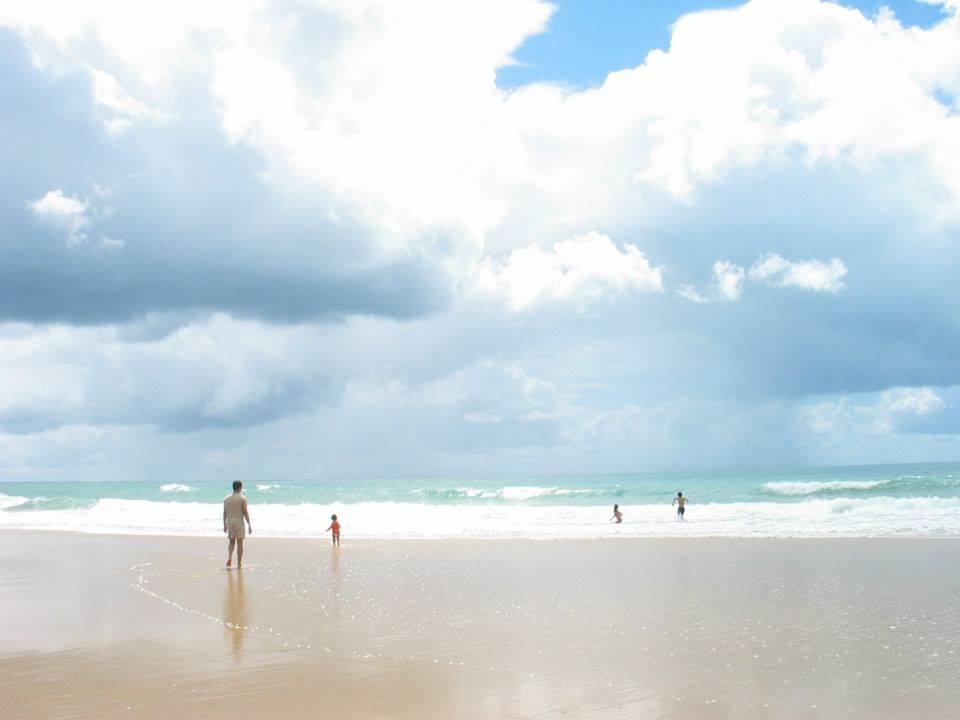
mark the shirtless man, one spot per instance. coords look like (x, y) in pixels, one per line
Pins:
(234, 513)
(680, 501)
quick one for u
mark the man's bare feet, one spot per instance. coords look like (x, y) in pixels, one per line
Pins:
(229, 562)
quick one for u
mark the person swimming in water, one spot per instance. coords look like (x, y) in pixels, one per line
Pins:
(617, 514)
(680, 501)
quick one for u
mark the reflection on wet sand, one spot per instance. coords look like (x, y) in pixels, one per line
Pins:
(458, 630)
(235, 612)
(335, 562)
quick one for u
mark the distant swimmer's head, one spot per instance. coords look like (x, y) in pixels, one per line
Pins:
(616, 507)
(237, 486)
(333, 517)
(679, 494)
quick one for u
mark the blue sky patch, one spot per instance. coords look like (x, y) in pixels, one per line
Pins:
(588, 39)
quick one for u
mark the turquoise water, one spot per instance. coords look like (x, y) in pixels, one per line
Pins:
(864, 500)
(899, 481)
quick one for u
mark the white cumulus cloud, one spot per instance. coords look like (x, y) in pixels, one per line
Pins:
(400, 114)
(727, 284)
(78, 218)
(67, 212)
(771, 269)
(578, 269)
(816, 275)
(912, 401)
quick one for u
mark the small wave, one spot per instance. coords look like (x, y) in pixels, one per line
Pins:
(517, 493)
(11, 501)
(524, 492)
(51, 503)
(455, 493)
(810, 517)
(267, 487)
(809, 488)
(175, 487)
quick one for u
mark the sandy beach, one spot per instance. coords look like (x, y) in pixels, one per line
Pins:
(125, 626)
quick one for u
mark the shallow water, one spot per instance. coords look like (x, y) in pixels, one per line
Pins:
(893, 500)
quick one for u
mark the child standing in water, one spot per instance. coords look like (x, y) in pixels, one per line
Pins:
(680, 501)
(335, 528)
(617, 514)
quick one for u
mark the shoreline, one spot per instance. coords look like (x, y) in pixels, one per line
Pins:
(485, 539)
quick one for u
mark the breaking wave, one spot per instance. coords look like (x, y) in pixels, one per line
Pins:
(811, 488)
(833, 517)
(516, 493)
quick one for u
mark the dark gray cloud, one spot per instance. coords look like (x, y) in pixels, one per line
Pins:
(893, 324)
(201, 229)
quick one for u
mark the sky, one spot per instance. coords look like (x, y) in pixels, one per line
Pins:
(441, 238)
(588, 39)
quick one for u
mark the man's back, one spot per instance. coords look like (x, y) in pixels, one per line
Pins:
(233, 506)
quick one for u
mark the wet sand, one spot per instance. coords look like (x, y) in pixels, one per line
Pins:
(112, 626)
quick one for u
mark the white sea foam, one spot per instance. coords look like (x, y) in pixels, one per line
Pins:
(266, 487)
(836, 517)
(526, 492)
(810, 488)
(175, 487)
(9, 501)
(514, 493)
(479, 493)
(454, 493)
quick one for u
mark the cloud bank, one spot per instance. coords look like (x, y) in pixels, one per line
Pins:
(226, 224)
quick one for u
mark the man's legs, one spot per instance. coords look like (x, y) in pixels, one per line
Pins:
(239, 552)
(233, 542)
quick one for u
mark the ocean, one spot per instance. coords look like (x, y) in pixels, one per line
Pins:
(917, 500)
